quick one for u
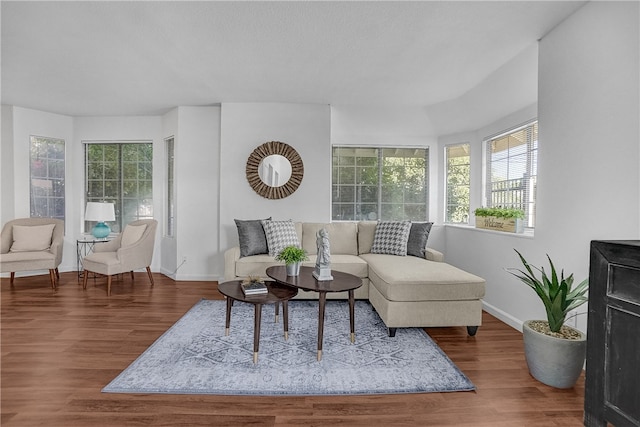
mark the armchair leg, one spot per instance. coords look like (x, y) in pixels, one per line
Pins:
(108, 285)
(131, 274)
(150, 276)
(57, 274)
(13, 276)
(52, 277)
(85, 276)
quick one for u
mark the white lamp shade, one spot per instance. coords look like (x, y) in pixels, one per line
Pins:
(100, 212)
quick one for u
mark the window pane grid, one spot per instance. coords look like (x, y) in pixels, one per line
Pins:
(458, 181)
(379, 183)
(512, 171)
(120, 173)
(47, 186)
(169, 142)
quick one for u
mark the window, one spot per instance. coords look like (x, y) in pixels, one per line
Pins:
(457, 169)
(47, 177)
(170, 199)
(120, 173)
(511, 172)
(379, 183)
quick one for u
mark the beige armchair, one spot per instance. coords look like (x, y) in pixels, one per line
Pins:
(30, 244)
(130, 250)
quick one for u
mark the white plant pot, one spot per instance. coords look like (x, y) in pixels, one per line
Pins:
(556, 362)
(293, 269)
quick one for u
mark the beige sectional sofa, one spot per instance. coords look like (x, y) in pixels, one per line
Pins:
(406, 291)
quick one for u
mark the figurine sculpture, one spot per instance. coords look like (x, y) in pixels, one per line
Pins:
(323, 260)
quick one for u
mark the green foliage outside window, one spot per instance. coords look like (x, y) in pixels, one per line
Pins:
(379, 183)
(121, 173)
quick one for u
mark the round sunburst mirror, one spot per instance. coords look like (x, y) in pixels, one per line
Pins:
(274, 170)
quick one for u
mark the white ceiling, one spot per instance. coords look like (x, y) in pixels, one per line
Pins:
(144, 58)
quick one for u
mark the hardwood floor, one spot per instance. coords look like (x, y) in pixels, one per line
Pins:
(59, 349)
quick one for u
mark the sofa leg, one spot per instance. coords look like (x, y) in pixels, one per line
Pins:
(13, 276)
(471, 330)
(391, 332)
(52, 278)
(150, 275)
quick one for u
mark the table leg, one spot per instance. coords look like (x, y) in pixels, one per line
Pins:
(256, 332)
(278, 311)
(322, 297)
(228, 320)
(285, 314)
(352, 315)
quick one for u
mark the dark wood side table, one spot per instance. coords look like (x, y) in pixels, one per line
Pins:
(341, 282)
(277, 293)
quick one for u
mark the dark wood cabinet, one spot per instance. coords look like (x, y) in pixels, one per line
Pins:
(612, 386)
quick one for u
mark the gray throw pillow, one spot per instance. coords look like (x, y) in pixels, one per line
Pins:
(252, 238)
(418, 239)
(391, 238)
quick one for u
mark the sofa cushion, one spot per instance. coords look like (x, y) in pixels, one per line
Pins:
(27, 238)
(351, 264)
(280, 234)
(391, 238)
(415, 279)
(343, 237)
(418, 236)
(366, 231)
(251, 237)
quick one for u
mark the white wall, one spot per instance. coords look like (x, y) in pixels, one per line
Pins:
(588, 179)
(305, 127)
(197, 163)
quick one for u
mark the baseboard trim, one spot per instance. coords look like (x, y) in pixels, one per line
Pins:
(503, 316)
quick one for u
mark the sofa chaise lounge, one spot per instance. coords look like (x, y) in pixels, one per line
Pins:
(406, 291)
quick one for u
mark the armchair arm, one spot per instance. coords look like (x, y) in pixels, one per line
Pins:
(433, 255)
(56, 249)
(230, 257)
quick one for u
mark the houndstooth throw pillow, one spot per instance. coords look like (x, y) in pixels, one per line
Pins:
(391, 238)
(280, 234)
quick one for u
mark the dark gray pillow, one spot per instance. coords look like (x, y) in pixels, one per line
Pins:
(252, 238)
(418, 238)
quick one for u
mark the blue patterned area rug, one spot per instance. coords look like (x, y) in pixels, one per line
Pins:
(195, 357)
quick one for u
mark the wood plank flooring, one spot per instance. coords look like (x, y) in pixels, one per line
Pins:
(60, 348)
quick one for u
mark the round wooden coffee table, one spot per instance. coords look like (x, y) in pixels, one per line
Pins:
(277, 293)
(341, 282)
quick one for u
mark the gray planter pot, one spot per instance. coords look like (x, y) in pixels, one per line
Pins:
(293, 269)
(554, 361)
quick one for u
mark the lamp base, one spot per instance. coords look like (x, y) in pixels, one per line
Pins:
(101, 230)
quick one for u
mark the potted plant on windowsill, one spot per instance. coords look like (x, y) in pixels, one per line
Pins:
(293, 257)
(555, 352)
(500, 219)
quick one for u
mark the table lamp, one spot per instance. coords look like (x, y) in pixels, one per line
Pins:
(100, 212)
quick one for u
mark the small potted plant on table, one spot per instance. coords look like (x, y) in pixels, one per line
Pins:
(555, 352)
(293, 257)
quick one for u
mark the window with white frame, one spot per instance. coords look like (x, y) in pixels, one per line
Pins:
(47, 195)
(458, 181)
(120, 173)
(512, 170)
(375, 183)
(170, 226)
